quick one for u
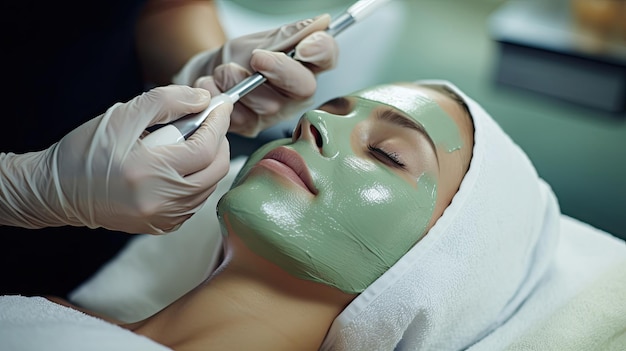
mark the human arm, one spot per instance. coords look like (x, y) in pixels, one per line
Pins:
(169, 33)
(102, 175)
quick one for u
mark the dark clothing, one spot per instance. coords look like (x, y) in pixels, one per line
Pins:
(64, 64)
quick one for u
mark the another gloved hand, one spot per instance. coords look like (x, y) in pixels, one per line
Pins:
(291, 83)
(102, 175)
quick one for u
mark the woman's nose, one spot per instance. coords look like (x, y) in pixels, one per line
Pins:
(305, 130)
(314, 128)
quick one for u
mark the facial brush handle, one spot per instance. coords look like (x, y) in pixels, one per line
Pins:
(182, 128)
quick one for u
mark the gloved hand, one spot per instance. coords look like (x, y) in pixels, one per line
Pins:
(291, 83)
(102, 175)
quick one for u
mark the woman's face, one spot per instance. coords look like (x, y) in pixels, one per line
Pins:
(361, 181)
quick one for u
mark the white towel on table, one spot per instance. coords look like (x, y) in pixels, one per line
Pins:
(36, 324)
(580, 304)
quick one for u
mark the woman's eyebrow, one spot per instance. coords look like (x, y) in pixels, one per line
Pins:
(399, 119)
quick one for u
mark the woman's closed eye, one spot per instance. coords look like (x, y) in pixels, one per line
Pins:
(390, 158)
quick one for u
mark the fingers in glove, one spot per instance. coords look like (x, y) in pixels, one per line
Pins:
(285, 74)
(206, 179)
(243, 120)
(319, 52)
(208, 83)
(201, 185)
(182, 101)
(262, 106)
(172, 224)
(289, 35)
(185, 207)
(126, 122)
(165, 104)
(203, 146)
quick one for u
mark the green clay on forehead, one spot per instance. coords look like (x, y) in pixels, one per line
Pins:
(438, 125)
(365, 216)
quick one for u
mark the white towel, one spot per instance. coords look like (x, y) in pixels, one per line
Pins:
(35, 324)
(579, 305)
(475, 266)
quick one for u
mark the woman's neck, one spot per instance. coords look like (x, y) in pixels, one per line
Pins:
(248, 304)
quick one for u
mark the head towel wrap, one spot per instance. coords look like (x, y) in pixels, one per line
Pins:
(475, 266)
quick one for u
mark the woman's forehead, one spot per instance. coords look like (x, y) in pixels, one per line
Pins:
(403, 98)
(423, 109)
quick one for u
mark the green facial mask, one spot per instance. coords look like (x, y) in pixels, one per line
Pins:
(364, 216)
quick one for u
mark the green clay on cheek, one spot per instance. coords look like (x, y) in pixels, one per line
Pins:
(363, 219)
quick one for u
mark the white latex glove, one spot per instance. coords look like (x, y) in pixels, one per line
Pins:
(291, 80)
(102, 175)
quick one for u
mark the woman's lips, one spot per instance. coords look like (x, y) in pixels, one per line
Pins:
(290, 165)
